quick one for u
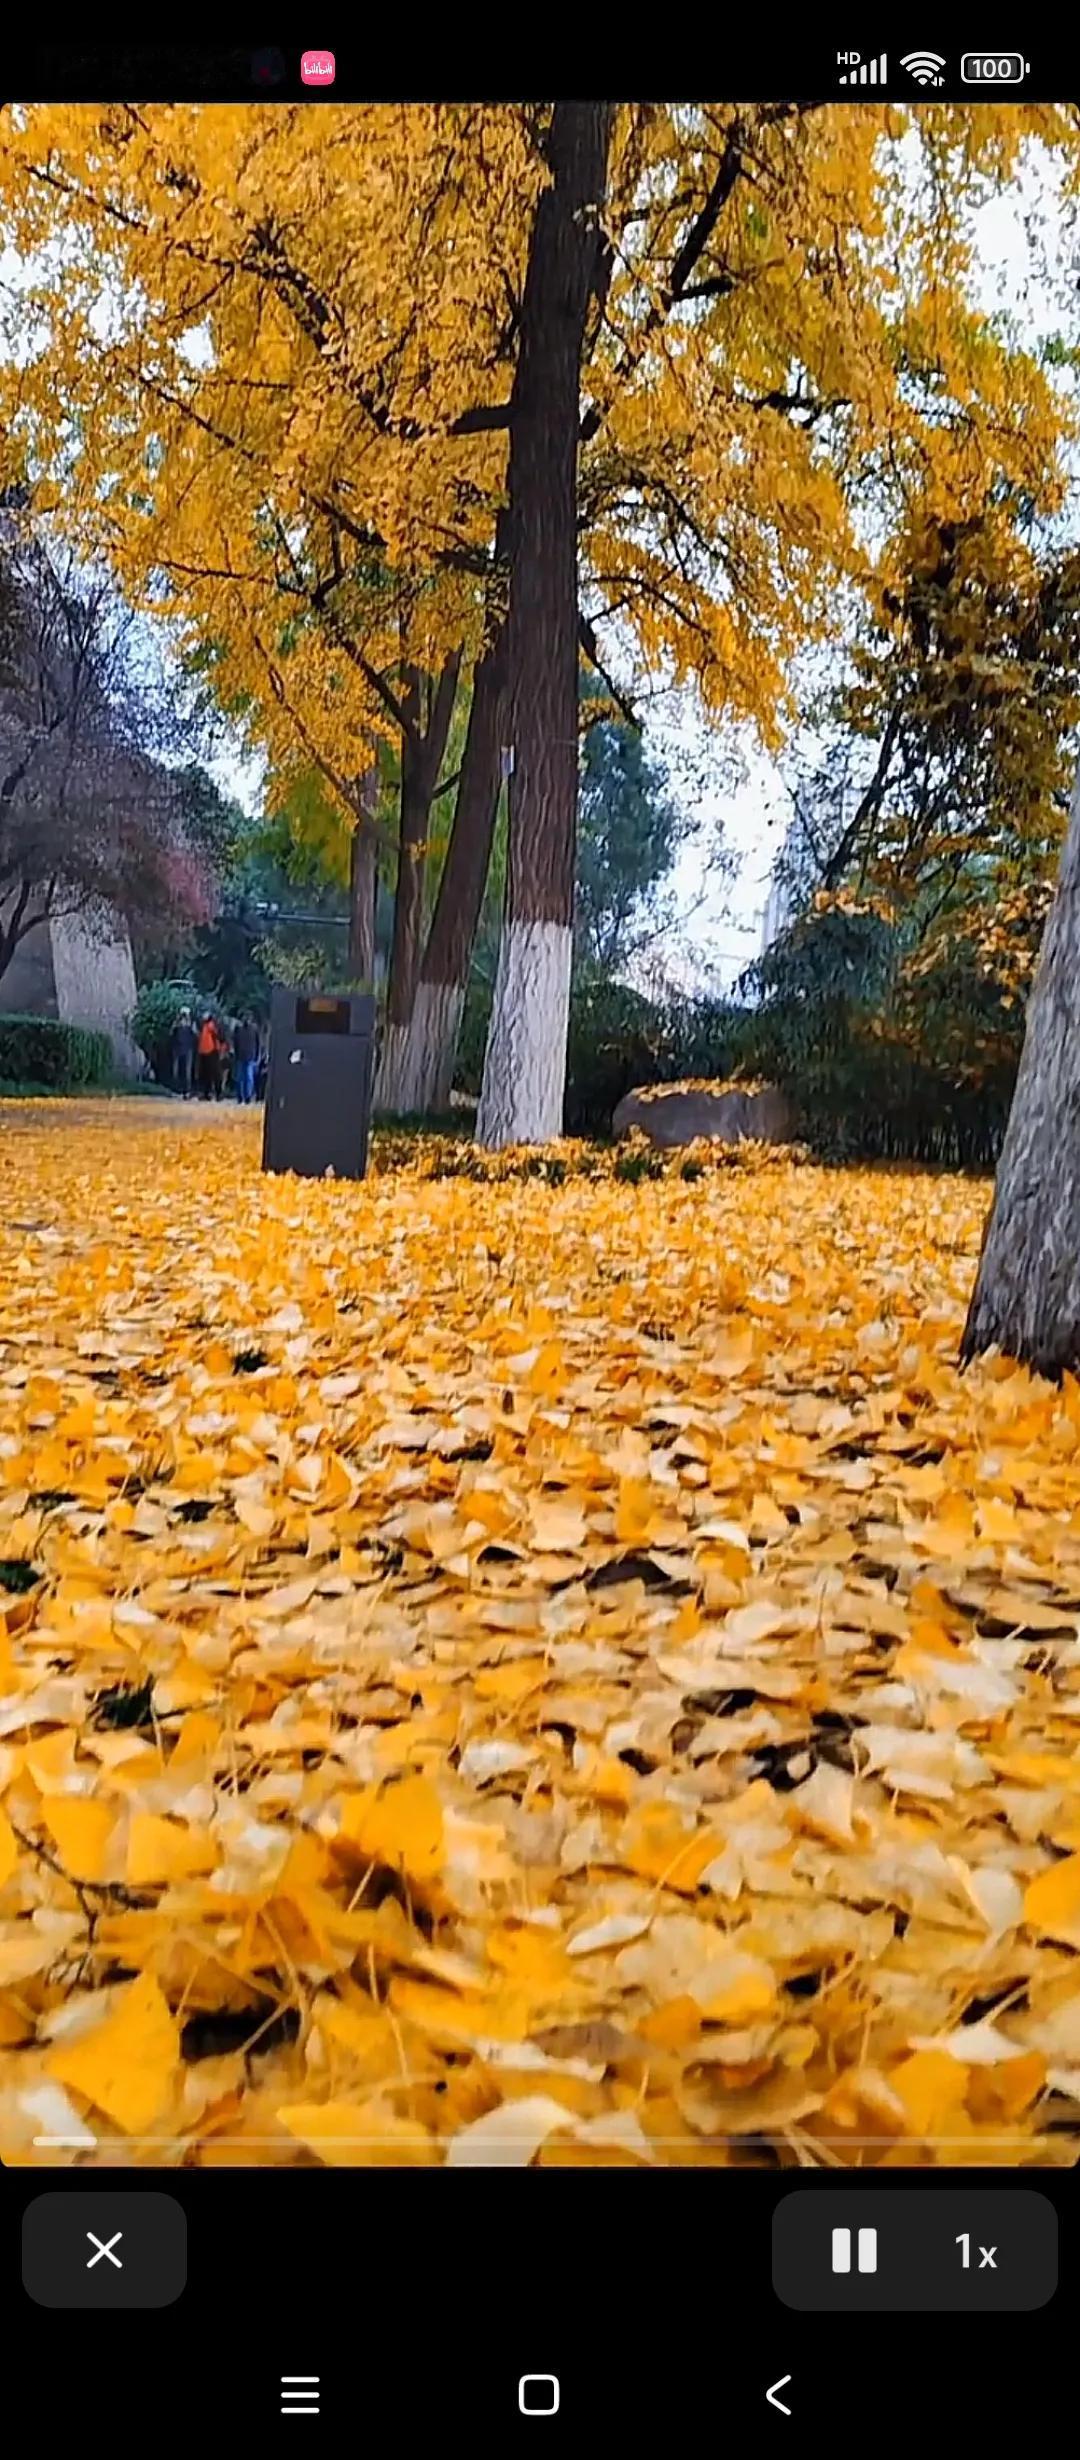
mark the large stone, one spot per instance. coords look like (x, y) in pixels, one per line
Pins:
(680, 1114)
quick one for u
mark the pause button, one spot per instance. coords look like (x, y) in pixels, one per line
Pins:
(841, 2250)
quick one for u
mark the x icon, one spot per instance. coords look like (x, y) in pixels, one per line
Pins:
(104, 2248)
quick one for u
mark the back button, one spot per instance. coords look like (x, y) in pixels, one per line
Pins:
(111, 2250)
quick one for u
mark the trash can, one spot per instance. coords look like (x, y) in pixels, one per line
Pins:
(318, 1086)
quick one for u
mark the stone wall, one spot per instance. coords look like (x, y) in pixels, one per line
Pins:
(81, 973)
(28, 985)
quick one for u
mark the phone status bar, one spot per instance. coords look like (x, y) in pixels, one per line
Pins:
(753, 68)
(985, 72)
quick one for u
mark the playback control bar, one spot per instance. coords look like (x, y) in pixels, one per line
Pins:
(957, 2250)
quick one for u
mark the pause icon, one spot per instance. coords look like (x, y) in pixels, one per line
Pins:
(841, 2250)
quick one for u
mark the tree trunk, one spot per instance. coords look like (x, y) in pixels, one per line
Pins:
(363, 883)
(14, 926)
(422, 748)
(1027, 1290)
(525, 1062)
(427, 1066)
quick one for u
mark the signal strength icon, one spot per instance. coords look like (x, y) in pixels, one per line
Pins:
(863, 72)
(924, 66)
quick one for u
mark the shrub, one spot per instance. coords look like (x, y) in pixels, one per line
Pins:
(618, 1039)
(638, 1165)
(703, 1040)
(424, 1156)
(42, 1050)
(892, 1047)
(888, 1046)
(472, 1039)
(153, 1017)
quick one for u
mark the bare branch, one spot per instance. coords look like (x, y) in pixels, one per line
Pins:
(588, 640)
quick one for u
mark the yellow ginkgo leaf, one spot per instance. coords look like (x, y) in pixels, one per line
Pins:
(126, 2065)
(931, 2087)
(399, 1824)
(9, 1851)
(359, 2135)
(1052, 1901)
(81, 1830)
(159, 1850)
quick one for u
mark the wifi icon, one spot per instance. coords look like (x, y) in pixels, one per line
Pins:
(924, 66)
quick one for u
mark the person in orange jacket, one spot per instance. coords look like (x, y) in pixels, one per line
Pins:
(210, 1053)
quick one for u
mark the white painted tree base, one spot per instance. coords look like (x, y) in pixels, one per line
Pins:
(521, 1099)
(423, 1065)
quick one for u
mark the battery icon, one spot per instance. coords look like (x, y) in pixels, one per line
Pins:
(994, 68)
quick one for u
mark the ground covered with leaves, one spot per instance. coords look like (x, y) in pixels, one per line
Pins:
(497, 1670)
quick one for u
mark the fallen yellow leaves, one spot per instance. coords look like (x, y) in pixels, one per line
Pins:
(358, 2135)
(523, 1663)
(1052, 1902)
(397, 1828)
(123, 2061)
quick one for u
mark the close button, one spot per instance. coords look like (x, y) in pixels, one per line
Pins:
(111, 2250)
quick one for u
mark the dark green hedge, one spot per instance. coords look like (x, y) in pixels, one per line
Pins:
(877, 1065)
(618, 1039)
(39, 1050)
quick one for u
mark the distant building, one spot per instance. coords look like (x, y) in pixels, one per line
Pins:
(777, 914)
(793, 874)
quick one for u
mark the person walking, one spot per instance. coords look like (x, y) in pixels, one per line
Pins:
(246, 1057)
(182, 1052)
(224, 1062)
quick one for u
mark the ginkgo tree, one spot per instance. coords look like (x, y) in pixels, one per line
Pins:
(525, 1063)
(714, 484)
(262, 344)
(745, 390)
(948, 765)
(1026, 1300)
(272, 465)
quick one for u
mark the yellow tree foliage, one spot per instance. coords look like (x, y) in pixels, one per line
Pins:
(262, 359)
(264, 355)
(262, 344)
(808, 348)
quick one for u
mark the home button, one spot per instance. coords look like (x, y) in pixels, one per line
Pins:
(538, 2395)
